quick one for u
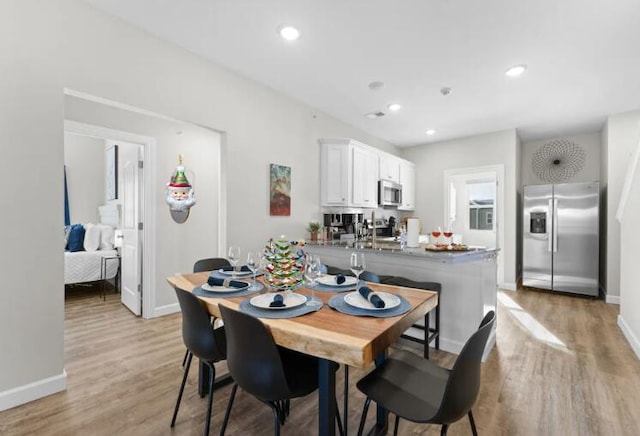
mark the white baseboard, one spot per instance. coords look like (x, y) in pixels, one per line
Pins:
(32, 391)
(508, 286)
(612, 299)
(629, 335)
(166, 310)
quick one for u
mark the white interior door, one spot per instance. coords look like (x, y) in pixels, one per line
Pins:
(131, 259)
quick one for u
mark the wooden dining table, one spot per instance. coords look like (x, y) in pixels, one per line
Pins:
(332, 336)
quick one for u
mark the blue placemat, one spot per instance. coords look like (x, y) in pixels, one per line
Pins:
(246, 307)
(218, 275)
(318, 287)
(337, 302)
(241, 293)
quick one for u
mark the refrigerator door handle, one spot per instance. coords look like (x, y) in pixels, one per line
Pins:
(555, 225)
(551, 225)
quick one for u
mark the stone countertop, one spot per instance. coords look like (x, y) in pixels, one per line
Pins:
(392, 249)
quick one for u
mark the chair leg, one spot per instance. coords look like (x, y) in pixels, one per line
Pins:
(276, 417)
(426, 336)
(473, 424)
(212, 376)
(395, 428)
(227, 414)
(184, 360)
(438, 325)
(184, 381)
(365, 410)
(443, 430)
(341, 429)
(346, 399)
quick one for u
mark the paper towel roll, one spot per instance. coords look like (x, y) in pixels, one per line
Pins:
(413, 232)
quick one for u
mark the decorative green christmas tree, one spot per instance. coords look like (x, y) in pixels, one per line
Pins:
(285, 268)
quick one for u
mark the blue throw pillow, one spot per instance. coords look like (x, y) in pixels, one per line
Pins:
(76, 238)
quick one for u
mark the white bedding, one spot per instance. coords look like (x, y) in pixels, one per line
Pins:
(84, 266)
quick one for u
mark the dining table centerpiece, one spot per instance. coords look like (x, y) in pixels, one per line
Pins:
(285, 263)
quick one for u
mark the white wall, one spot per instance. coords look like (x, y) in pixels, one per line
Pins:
(489, 149)
(629, 318)
(590, 142)
(85, 162)
(623, 131)
(49, 46)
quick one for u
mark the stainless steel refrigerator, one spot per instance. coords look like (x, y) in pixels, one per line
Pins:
(560, 237)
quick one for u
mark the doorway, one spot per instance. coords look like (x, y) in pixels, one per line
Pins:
(130, 197)
(474, 208)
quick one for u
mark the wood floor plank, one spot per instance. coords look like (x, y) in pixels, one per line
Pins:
(560, 367)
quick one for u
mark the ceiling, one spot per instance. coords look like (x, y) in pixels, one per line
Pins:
(582, 56)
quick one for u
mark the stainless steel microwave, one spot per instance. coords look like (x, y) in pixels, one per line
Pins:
(389, 193)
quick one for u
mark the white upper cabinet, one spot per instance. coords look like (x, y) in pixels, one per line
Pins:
(349, 174)
(335, 174)
(408, 182)
(365, 178)
(390, 167)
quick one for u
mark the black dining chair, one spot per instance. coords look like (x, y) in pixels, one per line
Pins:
(203, 341)
(430, 333)
(272, 374)
(418, 390)
(209, 264)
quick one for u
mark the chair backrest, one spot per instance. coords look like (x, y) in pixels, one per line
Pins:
(197, 332)
(463, 385)
(253, 357)
(401, 281)
(210, 264)
(368, 276)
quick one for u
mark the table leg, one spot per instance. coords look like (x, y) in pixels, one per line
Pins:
(326, 399)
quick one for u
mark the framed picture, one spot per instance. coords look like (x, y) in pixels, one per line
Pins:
(111, 172)
(279, 190)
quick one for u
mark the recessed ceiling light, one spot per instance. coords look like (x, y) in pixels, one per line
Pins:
(516, 70)
(394, 107)
(288, 32)
(430, 132)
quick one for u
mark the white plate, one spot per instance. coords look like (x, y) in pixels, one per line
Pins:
(290, 300)
(223, 289)
(329, 280)
(236, 273)
(356, 300)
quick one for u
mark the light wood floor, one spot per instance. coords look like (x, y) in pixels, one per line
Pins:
(561, 367)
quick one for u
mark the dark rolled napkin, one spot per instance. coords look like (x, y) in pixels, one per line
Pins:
(278, 301)
(340, 279)
(226, 283)
(372, 297)
(244, 268)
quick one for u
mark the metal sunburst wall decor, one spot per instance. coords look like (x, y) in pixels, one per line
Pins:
(558, 161)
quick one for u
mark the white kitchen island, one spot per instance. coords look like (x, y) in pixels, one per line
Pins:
(469, 283)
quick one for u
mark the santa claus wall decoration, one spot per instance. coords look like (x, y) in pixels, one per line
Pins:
(180, 196)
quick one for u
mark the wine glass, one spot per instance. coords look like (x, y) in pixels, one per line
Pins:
(234, 256)
(436, 232)
(312, 271)
(253, 262)
(357, 265)
(448, 233)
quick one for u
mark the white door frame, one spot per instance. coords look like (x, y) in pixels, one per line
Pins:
(500, 204)
(148, 210)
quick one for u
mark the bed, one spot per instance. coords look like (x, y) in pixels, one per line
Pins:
(92, 266)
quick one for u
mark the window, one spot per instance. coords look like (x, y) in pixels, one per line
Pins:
(481, 205)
